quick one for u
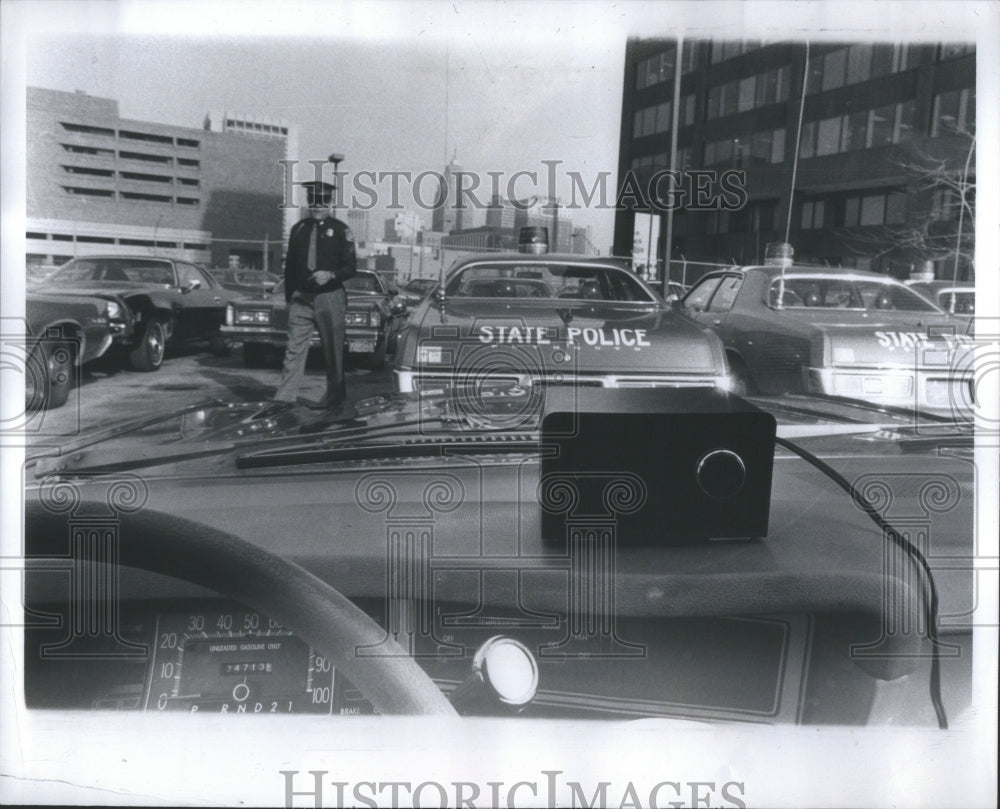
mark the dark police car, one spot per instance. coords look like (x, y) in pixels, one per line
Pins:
(547, 319)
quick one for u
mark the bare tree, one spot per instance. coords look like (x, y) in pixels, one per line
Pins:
(942, 225)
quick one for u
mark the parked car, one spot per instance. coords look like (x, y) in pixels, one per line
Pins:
(167, 300)
(415, 290)
(279, 577)
(64, 332)
(374, 318)
(837, 332)
(955, 298)
(246, 281)
(550, 319)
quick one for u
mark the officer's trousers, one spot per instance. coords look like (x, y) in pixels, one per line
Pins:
(325, 313)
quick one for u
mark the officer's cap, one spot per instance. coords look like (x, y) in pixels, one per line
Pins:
(318, 192)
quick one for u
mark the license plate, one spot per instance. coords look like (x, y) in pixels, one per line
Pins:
(361, 346)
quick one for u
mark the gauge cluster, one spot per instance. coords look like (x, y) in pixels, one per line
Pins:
(235, 661)
(195, 657)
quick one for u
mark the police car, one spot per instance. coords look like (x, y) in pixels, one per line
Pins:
(838, 332)
(544, 319)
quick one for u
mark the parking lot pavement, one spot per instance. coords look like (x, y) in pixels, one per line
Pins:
(110, 392)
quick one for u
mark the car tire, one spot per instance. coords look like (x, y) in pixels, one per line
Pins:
(148, 354)
(376, 360)
(742, 382)
(254, 355)
(49, 378)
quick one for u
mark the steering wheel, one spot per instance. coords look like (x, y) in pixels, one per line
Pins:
(233, 567)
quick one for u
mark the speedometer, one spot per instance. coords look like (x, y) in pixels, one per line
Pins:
(235, 661)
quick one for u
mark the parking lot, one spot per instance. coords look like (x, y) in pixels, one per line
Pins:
(108, 391)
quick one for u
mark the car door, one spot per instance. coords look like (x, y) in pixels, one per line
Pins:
(202, 307)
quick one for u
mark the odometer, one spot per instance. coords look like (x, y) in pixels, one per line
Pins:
(235, 661)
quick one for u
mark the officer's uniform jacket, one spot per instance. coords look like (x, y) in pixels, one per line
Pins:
(334, 253)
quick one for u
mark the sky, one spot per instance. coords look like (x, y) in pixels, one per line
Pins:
(395, 86)
(494, 101)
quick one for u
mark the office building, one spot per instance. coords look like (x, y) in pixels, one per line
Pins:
(873, 117)
(100, 183)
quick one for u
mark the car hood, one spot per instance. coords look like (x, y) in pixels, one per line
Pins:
(209, 435)
(579, 336)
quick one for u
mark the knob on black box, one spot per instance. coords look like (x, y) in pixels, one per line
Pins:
(662, 466)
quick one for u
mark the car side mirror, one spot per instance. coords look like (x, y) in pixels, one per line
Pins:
(398, 306)
(439, 295)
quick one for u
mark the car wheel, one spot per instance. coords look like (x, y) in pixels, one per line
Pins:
(254, 355)
(219, 345)
(742, 382)
(376, 360)
(148, 355)
(49, 376)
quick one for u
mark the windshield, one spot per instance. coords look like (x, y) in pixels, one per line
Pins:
(146, 271)
(546, 280)
(362, 282)
(845, 292)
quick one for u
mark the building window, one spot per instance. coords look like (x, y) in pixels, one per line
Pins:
(32, 235)
(944, 204)
(954, 112)
(88, 171)
(880, 125)
(88, 150)
(191, 201)
(188, 142)
(136, 242)
(83, 129)
(147, 158)
(834, 65)
(895, 208)
(62, 237)
(88, 192)
(906, 114)
(151, 178)
(133, 195)
(94, 240)
(745, 94)
(191, 246)
(146, 136)
(687, 109)
(650, 120)
(188, 181)
(689, 56)
(872, 210)
(187, 161)
(655, 70)
(828, 136)
(813, 212)
(854, 131)
(859, 63)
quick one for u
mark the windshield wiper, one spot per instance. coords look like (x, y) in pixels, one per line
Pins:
(489, 443)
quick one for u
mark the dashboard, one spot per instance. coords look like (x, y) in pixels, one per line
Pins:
(207, 655)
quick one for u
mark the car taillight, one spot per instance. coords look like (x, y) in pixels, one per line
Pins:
(230, 314)
(358, 319)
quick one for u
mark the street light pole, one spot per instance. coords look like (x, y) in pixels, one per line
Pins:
(336, 158)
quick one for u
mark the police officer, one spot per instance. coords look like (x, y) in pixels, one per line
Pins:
(319, 258)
